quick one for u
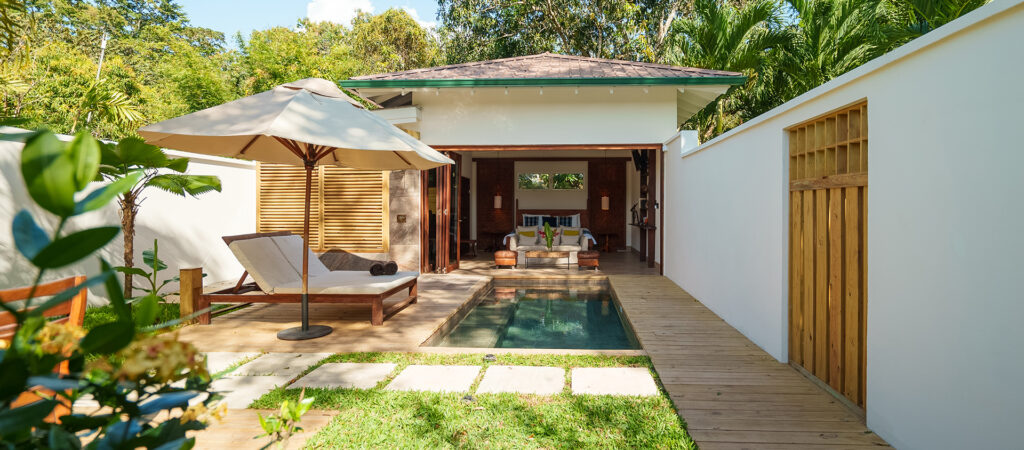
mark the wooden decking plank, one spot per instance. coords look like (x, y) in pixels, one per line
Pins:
(731, 393)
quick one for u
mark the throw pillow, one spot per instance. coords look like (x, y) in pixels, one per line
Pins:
(527, 235)
(570, 236)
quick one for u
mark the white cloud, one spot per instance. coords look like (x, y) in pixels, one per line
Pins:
(337, 11)
(416, 16)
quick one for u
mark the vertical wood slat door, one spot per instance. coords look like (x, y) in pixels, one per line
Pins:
(348, 208)
(828, 245)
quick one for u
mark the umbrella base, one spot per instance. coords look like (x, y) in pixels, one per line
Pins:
(298, 334)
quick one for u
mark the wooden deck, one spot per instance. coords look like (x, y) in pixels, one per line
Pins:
(731, 394)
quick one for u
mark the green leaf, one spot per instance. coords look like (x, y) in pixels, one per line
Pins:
(179, 165)
(182, 185)
(79, 422)
(149, 258)
(146, 310)
(60, 439)
(178, 444)
(167, 401)
(74, 247)
(71, 292)
(102, 196)
(108, 338)
(20, 419)
(13, 377)
(116, 295)
(28, 236)
(135, 154)
(49, 173)
(133, 271)
(84, 152)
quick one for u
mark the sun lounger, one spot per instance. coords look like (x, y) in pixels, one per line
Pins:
(274, 260)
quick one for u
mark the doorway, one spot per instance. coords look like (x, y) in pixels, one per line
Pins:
(441, 222)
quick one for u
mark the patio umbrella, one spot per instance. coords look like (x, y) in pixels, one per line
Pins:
(307, 122)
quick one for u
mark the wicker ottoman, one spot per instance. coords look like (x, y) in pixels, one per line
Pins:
(589, 258)
(505, 258)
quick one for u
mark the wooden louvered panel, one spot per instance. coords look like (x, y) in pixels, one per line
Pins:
(349, 207)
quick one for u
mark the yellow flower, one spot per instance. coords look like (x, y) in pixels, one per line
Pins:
(59, 338)
(201, 413)
(160, 358)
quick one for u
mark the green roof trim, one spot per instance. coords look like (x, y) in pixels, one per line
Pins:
(502, 82)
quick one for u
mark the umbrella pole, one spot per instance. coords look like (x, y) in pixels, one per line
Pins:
(305, 331)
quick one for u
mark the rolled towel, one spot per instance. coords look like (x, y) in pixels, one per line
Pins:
(377, 269)
(390, 268)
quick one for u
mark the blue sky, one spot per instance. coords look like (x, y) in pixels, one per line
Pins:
(230, 17)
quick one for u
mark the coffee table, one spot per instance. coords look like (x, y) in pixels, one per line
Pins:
(547, 254)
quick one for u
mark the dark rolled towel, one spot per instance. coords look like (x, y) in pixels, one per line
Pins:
(390, 268)
(377, 269)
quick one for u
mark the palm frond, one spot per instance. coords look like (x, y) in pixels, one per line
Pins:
(183, 185)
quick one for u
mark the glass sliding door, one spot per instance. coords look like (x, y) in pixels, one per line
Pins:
(440, 223)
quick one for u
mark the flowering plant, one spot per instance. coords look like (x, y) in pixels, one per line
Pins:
(124, 366)
(549, 235)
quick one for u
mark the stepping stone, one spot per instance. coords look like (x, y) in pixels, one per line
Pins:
(280, 364)
(523, 380)
(218, 361)
(346, 375)
(435, 378)
(239, 392)
(613, 381)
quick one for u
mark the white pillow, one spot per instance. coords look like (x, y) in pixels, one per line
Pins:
(522, 233)
(576, 220)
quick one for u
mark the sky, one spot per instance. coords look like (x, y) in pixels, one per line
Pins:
(230, 16)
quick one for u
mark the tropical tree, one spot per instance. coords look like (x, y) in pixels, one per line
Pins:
(913, 18)
(718, 35)
(392, 41)
(131, 156)
(831, 37)
(102, 102)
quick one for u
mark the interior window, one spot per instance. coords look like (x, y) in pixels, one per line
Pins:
(572, 181)
(534, 181)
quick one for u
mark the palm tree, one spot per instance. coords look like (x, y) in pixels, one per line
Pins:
(167, 174)
(101, 102)
(720, 36)
(912, 18)
(831, 37)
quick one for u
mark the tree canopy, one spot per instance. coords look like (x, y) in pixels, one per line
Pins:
(156, 64)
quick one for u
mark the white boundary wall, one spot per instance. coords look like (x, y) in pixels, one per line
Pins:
(189, 229)
(945, 229)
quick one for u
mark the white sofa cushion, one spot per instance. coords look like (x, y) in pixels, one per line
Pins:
(349, 282)
(523, 236)
(291, 247)
(569, 236)
(265, 263)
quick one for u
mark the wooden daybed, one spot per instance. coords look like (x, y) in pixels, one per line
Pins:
(274, 262)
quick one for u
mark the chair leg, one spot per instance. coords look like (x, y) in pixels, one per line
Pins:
(413, 293)
(377, 312)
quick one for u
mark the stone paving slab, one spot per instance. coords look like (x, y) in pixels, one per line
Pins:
(435, 378)
(613, 381)
(346, 375)
(523, 380)
(218, 361)
(280, 364)
(239, 392)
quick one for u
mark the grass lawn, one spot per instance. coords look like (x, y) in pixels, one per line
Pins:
(100, 315)
(379, 418)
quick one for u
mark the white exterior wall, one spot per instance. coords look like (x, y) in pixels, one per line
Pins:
(560, 116)
(188, 229)
(944, 230)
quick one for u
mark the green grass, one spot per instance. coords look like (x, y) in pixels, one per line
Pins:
(100, 315)
(379, 418)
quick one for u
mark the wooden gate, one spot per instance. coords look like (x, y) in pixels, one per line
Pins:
(828, 244)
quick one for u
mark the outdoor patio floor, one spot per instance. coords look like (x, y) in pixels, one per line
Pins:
(731, 394)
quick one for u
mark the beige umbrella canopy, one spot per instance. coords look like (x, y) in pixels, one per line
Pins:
(305, 122)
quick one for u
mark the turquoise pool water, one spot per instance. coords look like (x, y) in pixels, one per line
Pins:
(562, 316)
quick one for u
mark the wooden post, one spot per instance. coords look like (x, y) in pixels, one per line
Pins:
(652, 196)
(191, 299)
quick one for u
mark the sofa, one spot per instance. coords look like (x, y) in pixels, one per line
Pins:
(567, 239)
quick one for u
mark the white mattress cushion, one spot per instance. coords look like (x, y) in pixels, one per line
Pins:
(291, 247)
(349, 282)
(264, 262)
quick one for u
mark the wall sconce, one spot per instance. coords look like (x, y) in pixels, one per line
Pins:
(497, 201)
(604, 203)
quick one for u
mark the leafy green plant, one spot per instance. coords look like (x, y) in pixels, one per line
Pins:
(155, 170)
(280, 427)
(130, 368)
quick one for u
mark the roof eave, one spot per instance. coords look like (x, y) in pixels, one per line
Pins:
(502, 82)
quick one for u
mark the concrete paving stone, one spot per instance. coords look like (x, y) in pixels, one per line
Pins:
(218, 361)
(435, 378)
(239, 392)
(613, 381)
(522, 380)
(279, 364)
(346, 375)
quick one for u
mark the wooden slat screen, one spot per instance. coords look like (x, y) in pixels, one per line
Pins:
(828, 244)
(349, 208)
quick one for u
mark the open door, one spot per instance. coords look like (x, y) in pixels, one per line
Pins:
(440, 222)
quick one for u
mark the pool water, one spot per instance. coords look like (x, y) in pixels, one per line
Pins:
(563, 316)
